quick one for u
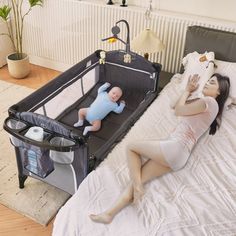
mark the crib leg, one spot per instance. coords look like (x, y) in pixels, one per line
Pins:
(21, 176)
(22, 179)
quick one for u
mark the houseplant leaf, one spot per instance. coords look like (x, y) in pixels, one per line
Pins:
(35, 3)
(5, 12)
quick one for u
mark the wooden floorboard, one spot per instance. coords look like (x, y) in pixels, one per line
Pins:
(11, 222)
(37, 77)
(14, 224)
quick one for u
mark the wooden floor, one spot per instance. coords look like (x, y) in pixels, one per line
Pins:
(12, 223)
(37, 77)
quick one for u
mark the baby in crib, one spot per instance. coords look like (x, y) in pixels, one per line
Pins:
(100, 108)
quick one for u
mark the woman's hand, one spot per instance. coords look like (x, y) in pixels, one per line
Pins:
(192, 84)
(184, 109)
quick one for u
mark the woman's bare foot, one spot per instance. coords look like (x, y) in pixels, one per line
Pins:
(104, 218)
(138, 192)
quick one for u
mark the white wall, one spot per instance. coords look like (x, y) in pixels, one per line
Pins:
(5, 44)
(220, 9)
(63, 32)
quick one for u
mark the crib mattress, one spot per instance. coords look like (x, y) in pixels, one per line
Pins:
(99, 141)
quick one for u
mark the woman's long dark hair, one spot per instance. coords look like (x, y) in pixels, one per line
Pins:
(224, 85)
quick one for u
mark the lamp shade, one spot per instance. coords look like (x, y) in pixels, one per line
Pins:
(147, 42)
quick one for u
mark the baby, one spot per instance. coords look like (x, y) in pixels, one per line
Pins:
(101, 107)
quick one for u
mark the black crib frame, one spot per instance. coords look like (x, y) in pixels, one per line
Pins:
(139, 81)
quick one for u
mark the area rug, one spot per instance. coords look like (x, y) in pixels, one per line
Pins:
(38, 201)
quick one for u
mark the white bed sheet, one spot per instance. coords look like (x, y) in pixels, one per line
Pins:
(199, 199)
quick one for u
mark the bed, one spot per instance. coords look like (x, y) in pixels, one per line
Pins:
(199, 199)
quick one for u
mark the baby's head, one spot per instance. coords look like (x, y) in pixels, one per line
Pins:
(115, 93)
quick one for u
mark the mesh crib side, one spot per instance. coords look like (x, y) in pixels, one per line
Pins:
(41, 96)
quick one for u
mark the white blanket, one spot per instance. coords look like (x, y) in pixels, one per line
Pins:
(199, 199)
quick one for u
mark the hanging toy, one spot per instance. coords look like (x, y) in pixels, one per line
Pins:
(112, 40)
(102, 57)
(127, 58)
(115, 31)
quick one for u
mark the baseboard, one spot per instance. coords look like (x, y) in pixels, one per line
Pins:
(44, 62)
(2, 63)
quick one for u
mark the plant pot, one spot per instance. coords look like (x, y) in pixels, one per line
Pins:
(18, 68)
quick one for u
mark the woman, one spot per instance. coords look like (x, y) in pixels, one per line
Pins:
(172, 154)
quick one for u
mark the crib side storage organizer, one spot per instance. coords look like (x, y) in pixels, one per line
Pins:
(48, 147)
(42, 152)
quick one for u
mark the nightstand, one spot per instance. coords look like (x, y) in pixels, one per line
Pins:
(164, 79)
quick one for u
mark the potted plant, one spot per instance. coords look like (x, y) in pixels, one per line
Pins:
(13, 15)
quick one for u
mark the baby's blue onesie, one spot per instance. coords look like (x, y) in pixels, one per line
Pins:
(102, 106)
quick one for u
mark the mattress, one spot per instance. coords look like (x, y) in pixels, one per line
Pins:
(199, 199)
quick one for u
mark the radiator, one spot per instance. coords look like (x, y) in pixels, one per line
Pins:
(64, 32)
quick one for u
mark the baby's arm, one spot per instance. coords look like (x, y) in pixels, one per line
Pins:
(104, 87)
(120, 107)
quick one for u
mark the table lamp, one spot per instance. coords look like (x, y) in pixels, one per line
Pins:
(147, 41)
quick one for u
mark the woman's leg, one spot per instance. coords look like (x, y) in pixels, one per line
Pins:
(134, 165)
(124, 199)
(149, 170)
(135, 151)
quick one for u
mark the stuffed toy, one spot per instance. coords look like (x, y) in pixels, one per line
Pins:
(201, 64)
(102, 57)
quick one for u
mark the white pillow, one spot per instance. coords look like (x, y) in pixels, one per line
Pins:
(228, 69)
(195, 63)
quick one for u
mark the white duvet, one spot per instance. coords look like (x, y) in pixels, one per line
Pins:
(199, 199)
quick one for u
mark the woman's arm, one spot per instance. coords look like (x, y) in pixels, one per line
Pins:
(184, 109)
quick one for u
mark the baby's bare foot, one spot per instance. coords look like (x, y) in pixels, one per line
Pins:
(104, 218)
